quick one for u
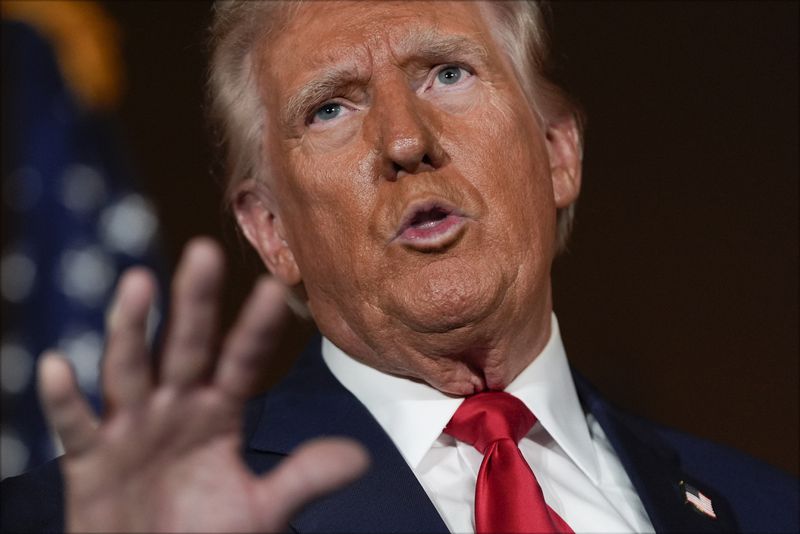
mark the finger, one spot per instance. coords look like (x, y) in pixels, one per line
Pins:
(127, 379)
(253, 338)
(193, 319)
(64, 404)
(315, 469)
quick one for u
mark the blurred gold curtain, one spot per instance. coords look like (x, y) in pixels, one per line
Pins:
(86, 43)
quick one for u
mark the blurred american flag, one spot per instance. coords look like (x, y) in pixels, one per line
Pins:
(72, 218)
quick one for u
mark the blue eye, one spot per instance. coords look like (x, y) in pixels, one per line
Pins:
(328, 111)
(449, 75)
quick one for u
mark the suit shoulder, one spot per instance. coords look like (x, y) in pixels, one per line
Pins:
(33, 502)
(756, 491)
(756, 496)
(727, 461)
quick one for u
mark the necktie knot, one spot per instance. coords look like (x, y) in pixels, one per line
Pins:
(490, 416)
(508, 497)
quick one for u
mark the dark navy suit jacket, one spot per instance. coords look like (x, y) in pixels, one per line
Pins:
(746, 494)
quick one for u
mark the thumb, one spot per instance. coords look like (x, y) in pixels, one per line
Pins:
(314, 469)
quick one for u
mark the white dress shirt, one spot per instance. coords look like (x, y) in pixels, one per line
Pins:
(579, 472)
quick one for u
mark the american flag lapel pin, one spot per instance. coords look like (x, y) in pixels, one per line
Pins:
(699, 502)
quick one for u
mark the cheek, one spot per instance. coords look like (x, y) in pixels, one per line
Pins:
(508, 162)
(326, 202)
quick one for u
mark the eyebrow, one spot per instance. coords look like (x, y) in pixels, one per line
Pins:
(322, 87)
(426, 45)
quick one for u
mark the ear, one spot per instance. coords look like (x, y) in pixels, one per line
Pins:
(257, 216)
(564, 149)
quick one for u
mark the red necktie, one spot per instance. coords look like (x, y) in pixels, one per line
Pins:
(507, 496)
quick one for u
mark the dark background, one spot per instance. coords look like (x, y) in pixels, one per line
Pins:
(678, 296)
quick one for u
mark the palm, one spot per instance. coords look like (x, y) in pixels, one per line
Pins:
(167, 455)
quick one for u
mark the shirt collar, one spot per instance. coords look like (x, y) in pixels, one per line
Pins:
(413, 414)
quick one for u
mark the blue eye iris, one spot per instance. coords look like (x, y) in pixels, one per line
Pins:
(449, 76)
(328, 112)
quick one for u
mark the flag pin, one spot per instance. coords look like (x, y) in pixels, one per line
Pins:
(700, 502)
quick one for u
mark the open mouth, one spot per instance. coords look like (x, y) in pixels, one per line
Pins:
(430, 226)
(429, 218)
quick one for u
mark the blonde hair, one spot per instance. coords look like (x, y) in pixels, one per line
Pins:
(236, 108)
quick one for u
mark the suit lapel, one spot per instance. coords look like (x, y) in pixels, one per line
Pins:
(655, 471)
(311, 403)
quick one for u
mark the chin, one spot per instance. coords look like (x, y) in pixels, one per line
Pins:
(445, 296)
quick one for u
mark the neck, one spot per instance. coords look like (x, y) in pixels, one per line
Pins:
(464, 361)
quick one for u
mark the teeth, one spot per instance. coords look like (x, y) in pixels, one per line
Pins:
(427, 224)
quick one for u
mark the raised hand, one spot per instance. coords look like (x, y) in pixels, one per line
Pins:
(166, 454)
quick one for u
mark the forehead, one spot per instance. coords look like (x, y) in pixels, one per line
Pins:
(319, 34)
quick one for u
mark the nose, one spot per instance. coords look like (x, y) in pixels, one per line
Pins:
(407, 135)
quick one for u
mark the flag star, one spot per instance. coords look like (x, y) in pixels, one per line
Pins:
(16, 367)
(15, 453)
(17, 276)
(86, 274)
(83, 188)
(129, 225)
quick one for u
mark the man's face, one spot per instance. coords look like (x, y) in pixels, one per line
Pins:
(413, 186)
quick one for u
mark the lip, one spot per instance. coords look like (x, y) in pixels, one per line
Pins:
(429, 225)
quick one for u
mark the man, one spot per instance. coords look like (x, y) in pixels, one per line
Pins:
(407, 171)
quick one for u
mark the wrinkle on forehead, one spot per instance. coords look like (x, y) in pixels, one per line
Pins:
(345, 65)
(345, 56)
(432, 42)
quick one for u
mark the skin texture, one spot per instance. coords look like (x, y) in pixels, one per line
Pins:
(465, 316)
(166, 455)
(464, 312)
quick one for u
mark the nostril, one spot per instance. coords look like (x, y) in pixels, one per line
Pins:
(399, 168)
